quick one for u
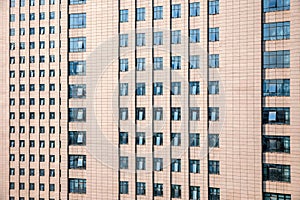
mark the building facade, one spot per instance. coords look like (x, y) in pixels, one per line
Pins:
(181, 99)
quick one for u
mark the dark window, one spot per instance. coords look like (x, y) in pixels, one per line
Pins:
(275, 172)
(77, 138)
(194, 192)
(158, 190)
(140, 114)
(77, 114)
(77, 162)
(123, 162)
(176, 114)
(176, 191)
(276, 196)
(77, 68)
(194, 166)
(276, 144)
(214, 167)
(276, 115)
(123, 138)
(77, 186)
(213, 140)
(140, 188)
(123, 187)
(176, 165)
(77, 91)
(194, 139)
(214, 194)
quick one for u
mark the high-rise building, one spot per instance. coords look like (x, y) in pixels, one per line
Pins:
(136, 99)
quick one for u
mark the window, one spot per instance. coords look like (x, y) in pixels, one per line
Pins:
(123, 138)
(12, 171)
(280, 144)
(194, 9)
(11, 143)
(214, 193)
(195, 88)
(276, 87)
(12, 3)
(52, 30)
(77, 162)
(214, 60)
(276, 115)
(12, 32)
(158, 63)
(123, 113)
(77, 44)
(176, 165)
(158, 12)
(276, 196)
(140, 64)
(123, 89)
(158, 189)
(52, 15)
(140, 163)
(276, 31)
(175, 114)
(157, 38)
(194, 166)
(276, 172)
(213, 34)
(77, 186)
(140, 188)
(12, 102)
(22, 3)
(123, 15)
(22, 87)
(213, 114)
(123, 162)
(77, 138)
(123, 187)
(276, 59)
(12, 46)
(214, 167)
(158, 164)
(158, 139)
(194, 139)
(22, 59)
(42, 172)
(52, 158)
(42, 2)
(123, 40)
(194, 35)
(194, 192)
(140, 114)
(195, 114)
(213, 7)
(194, 62)
(12, 157)
(158, 114)
(176, 62)
(42, 44)
(276, 5)
(52, 58)
(176, 37)
(42, 30)
(42, 59)
(77, 68)
(52, 173)
(176, 11)
(140, 14)
(124, 65)
(77, 91)
(74, 2)
(12, 17)
(77, 114)
(42, 16)
(52, 2)
(140, 138)
(77, 20)
(176, 88)
(213, 87)
(175, 139)
(140, 39)
(52, 44)
(32, 16)
(140, 89)
(52, 187)
(213, 140)
(176, 191)
(22, 31)
(11, 185)
(32, 3)
(31, 186)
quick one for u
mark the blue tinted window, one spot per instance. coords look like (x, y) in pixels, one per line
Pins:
(124, 15)
(213, 34)
(77, 44)
(72, 2)
(276, 5)
(276, 87)
(276, 31)
(77, 20)
(194, 9)
(140, 14)
(276, 59)
(158, 12)
(176, 11)
(214, 7)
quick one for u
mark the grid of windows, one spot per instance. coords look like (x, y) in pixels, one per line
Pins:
(276, 196)
(77, 20)
(276, 87)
